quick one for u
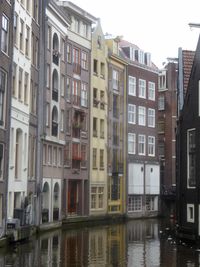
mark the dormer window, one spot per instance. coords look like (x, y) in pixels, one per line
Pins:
(132, 53)
(141, 56)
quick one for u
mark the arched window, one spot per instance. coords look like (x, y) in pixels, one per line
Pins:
(54, 129)
(18, 153)
(55, 49)
(55, 85)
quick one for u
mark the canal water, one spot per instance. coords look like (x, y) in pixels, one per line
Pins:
(136, 243)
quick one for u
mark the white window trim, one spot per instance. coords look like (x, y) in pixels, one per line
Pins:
(134, 143)
(151, 87)
(152, 111)
(189, 218)
(133, 113)
(133, 84)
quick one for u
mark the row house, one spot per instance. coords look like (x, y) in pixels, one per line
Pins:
(56, 29)
(98, 122)
(77, 114)
(188, 131)
(20, 106)
(167, 110)
(6, 52)
(143, 171)
(116, 121)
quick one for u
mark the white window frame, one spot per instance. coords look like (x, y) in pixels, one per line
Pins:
(151, 91)
(5, 30)
(132, 85)
(151, 146)
(141, 116)
(190, 213)
(131, 113)
(142, 88)
(151, 117)
(115, 75)
(131, 143)
(141, 144)
(161, 102)
(84, 94)
(134, 203)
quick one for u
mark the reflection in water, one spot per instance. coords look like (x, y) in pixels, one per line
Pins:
(137, 243)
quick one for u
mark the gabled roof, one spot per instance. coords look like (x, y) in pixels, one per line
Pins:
(188, 58)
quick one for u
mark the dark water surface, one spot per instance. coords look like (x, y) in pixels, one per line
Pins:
(136, 243)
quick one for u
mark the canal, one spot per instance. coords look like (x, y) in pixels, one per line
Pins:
(135, 243)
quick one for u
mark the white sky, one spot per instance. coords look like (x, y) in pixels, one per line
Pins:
(156, 26)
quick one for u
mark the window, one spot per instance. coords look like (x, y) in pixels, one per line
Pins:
(77, 25)
(142, 88)
(55, 85)
(132, 85)
(85, 29)
(142, 116)
(102, 70)
(49, 155)
(14, 76)
(27, 40)
(131, 143)
(67, 154)
(18, 154)
(62, 49)
(95, 67)
(21, 35)
(59, 156)
(134, 203)
(47, 114)
(69, 53)
(1, 160)
(141, 56)
(83, 156)
(55, 156)
(76, 60)
(161, 102)
(95, 127)
(20, 84)
(131, 113)
(162, 81)
(68, 89)
(161, 127)
(151, 91)
(101, 159)
(132, 53)
(62, 88)
(151, 145)
(102, 101)
(84, 60)
(3, 84)
(54, 125)
(15, 28)
(190, 213)
(32, 155)
(102, 128)
(150, 203)
(141, 144)
(94, 158)
(4, 34)
(62, 120)
(97, 196)
(48, 37)
(26, 87)
(191, 158)
(151, 117)
(115, 80)
(48, 76)
(84, 94)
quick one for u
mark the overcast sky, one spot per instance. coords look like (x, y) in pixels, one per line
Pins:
(156, 26)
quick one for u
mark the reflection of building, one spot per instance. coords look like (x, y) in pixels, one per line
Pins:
(6, 48)
(98, 122)
(76, 154)
(143, 244)
(142, 165)
(116, 127)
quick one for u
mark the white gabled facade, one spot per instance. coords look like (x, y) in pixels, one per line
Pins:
(19, 133)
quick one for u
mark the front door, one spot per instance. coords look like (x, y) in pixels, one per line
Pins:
(72, 197)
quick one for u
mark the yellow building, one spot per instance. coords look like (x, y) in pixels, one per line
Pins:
(116, 128)
(98, 122)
